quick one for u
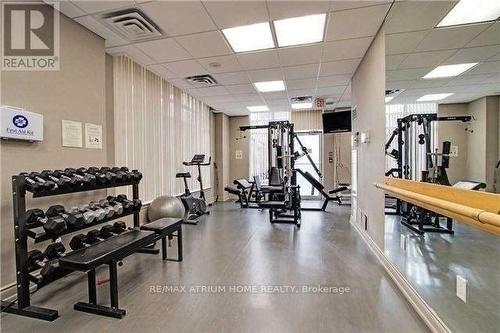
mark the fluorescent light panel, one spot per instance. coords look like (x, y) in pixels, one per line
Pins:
(449, 70)
(250, 37)
(471, 11)
(300, 30)
(269, 86)
(306, 105)
(389, 98)
(258, 108)
(433, 97)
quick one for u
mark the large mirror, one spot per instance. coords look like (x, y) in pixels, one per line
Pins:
(442, 126)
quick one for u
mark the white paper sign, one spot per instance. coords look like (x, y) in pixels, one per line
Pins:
(93, 136)
(71, 134)
(17, 123)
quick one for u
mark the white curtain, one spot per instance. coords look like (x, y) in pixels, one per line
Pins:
(258, 141)
(395, 111)
(157, 126)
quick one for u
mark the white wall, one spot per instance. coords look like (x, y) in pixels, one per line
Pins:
(368, 93)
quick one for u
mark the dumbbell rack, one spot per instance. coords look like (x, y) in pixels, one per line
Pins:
(22, 306)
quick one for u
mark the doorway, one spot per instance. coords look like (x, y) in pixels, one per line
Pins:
(314, 144)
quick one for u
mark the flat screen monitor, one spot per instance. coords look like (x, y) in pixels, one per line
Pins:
(337, 122)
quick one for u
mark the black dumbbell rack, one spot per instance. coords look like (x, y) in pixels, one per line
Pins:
(22, 306)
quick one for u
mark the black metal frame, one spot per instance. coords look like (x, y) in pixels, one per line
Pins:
(22, 306)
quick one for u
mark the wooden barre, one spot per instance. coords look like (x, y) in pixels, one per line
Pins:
(477, 217)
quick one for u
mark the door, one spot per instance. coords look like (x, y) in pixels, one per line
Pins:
(313, 142)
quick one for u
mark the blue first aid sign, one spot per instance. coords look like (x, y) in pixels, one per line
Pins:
(19, 124)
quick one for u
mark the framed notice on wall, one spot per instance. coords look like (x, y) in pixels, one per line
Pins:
(71, 134)
(93, 136)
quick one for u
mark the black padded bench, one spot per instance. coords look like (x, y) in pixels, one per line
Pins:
(166, 227)
(272, 204)
(110, 252)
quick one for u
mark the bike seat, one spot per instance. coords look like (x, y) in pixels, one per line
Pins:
(183, 175)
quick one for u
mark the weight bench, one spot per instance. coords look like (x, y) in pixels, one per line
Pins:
(109, 251)
(321, 189)
(166, 227)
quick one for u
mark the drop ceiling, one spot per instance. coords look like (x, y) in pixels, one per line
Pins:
(193, 42)
(414, 48)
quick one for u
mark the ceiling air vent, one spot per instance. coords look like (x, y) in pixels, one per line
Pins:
(301, 99)
(201, 81)
(132, 24)
(393, 92)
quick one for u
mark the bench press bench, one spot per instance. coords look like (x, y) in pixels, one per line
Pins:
(111, 251)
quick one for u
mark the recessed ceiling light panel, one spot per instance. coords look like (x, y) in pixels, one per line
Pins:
(268, 86)
(389, 98)
(300, 30)
(449, 70)
(305, 105)
(257, 108)
(471, 11)
(433, 97)
(250, 37)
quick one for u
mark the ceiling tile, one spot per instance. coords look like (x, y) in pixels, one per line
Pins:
(249, 98)
(241, 89)
(339, 67)
(425, 59)
(407, 74)
(112, 39)
(334, 80)
(473, 54)
(398, 84)
(392, 61)
(185, 68)
(472, 79)
(228, 14)
(273, 74)
(346, 49)
(227, 63)
(100, 6)
(259, 60)
(162, 71)
(301, 55)
(301, 84)
(434, 83)
(205, 44)
(274, 95)
(368, 21)
(343, 5)
(164, 50)
(300, 92)
(403, 42)
(133, 52)
(490, 36)
(69, 9)
(415, 15)
(285, 9)
(330, 91)
(449, 38)
(301, 72)
(213, 91)
(179, 17)
(180, 83)
(232, 78)
(278, 102)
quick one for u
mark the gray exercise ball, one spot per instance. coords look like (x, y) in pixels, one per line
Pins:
(166, 206)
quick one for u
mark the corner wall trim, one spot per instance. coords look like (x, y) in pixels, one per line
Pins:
(428, 315)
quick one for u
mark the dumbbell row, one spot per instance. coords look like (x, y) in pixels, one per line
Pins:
(71, 178)
(80, 241)
(56, 220)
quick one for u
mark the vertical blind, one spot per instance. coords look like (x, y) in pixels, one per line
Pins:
(157, 126)
(307, 120)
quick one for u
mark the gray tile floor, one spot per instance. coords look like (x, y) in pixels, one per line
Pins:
(432, 262)
(240, 247)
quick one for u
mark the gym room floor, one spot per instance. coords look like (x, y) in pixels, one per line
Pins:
(432, 262)
(235, 246)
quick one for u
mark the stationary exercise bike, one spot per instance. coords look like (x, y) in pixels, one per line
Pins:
(195, 207)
